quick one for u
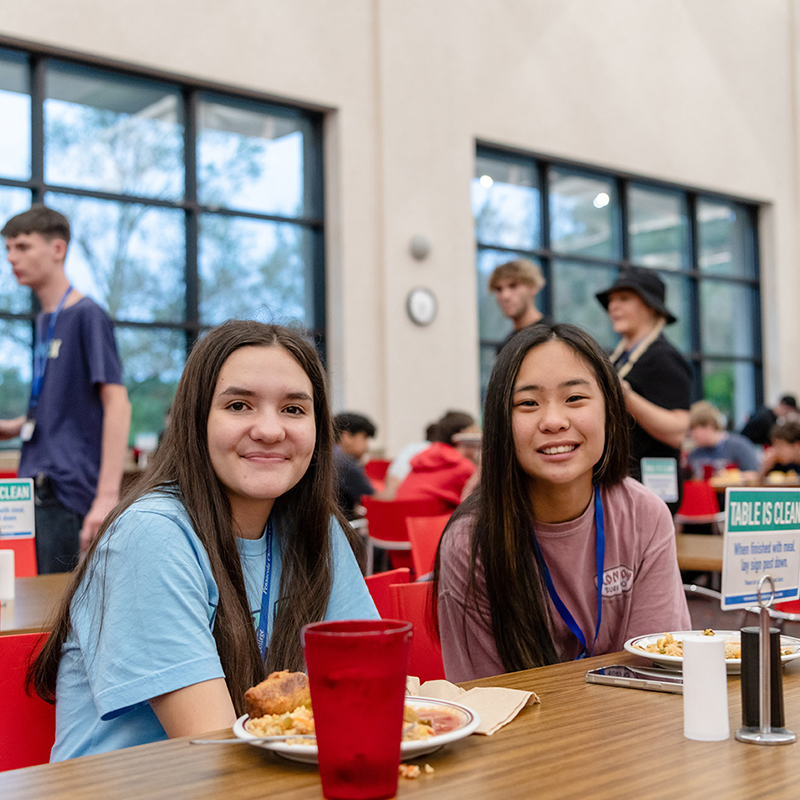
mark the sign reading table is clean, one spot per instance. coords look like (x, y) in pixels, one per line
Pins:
(762, 537)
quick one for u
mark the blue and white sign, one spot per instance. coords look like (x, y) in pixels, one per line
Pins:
(762, 537)
(16, 508)
(660, 476)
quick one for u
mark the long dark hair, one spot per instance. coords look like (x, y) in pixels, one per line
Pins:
(501, 540)
(182, 466)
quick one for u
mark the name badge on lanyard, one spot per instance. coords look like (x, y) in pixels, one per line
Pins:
(26, 432)
(41, 352)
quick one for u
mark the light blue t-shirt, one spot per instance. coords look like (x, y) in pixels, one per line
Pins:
(142, 623)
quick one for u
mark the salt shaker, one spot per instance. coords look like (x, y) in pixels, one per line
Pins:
(705, 689)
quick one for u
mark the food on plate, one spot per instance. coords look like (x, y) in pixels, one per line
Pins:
(778, 477)
(731, 475)
(281, 693)
(668, 645)
(281, 706)
(299, 722)
(419, 722)
(433, 720)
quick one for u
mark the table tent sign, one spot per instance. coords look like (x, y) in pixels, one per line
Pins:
(762, 537)
(16, 508)
(660, 476)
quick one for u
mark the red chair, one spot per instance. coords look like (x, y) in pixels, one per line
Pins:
(386, 527)
(376, 469)
(378, 586)
(28, 728)
(424, 534)
(24, 556)
(699, 506)
(410, 602)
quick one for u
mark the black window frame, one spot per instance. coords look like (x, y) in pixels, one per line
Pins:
(191, 90)
(545, 255)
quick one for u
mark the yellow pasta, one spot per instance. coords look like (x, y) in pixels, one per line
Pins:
(300, 723)
(668, 645)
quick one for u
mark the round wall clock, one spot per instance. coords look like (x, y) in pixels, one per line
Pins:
(421, 305)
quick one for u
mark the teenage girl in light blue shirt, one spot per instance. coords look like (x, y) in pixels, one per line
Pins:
(201, 579)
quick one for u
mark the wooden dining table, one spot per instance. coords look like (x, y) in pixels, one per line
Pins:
(699, 552)
(582, 741)
(35, 600)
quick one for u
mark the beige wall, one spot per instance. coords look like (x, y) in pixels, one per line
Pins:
(702, 93)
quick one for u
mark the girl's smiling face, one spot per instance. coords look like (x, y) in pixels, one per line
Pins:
(558, 419)
(261, 431)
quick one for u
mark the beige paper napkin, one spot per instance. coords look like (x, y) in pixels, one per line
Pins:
(495, 706)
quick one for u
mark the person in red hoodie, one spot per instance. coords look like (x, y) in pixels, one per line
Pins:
(441, 471)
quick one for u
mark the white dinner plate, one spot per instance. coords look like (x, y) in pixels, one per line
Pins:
(734, 665)
(307, 754)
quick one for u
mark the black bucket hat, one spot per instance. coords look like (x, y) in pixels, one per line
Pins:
(646, 284)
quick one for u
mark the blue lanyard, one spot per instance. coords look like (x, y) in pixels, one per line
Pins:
(566, 615)
(42, 350)
(261, 633)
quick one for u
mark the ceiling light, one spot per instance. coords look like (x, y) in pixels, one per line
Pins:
(602, 200)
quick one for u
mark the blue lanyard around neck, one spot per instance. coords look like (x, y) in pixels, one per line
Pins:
(564, 612)
(42, 350)
(261, 633)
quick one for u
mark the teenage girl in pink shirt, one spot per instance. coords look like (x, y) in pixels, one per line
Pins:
(559, 555)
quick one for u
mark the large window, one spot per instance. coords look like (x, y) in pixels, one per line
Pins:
(188, 206)
(582, 225)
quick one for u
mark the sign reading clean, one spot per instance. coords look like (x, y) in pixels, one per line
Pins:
(762, 537)
(16, 508)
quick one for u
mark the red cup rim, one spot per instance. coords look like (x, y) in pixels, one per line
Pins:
(389, 626)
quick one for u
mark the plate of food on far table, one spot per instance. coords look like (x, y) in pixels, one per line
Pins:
(733, 477)
(778, 478)
(666, 649)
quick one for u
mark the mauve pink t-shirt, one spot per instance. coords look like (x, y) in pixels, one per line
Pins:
(642, 588)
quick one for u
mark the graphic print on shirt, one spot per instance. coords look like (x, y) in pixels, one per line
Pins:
(617, 580)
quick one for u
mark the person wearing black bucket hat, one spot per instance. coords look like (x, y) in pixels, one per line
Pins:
(655, 376)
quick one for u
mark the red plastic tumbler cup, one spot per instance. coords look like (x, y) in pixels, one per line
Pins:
(357, 675)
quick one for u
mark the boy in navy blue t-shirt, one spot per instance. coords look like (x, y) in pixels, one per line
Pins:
(75, 432)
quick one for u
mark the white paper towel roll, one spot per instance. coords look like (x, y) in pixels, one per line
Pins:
(6, 575)
(705, 689)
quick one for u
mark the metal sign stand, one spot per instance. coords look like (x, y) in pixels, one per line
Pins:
(765, 733)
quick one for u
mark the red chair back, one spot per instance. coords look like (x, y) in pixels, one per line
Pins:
(411, 602)
(424, 534)
(24, 556)
(699, 500)
(28, 728)
(386, 520)
(789, 607)
(376, 469)
(378, 585)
